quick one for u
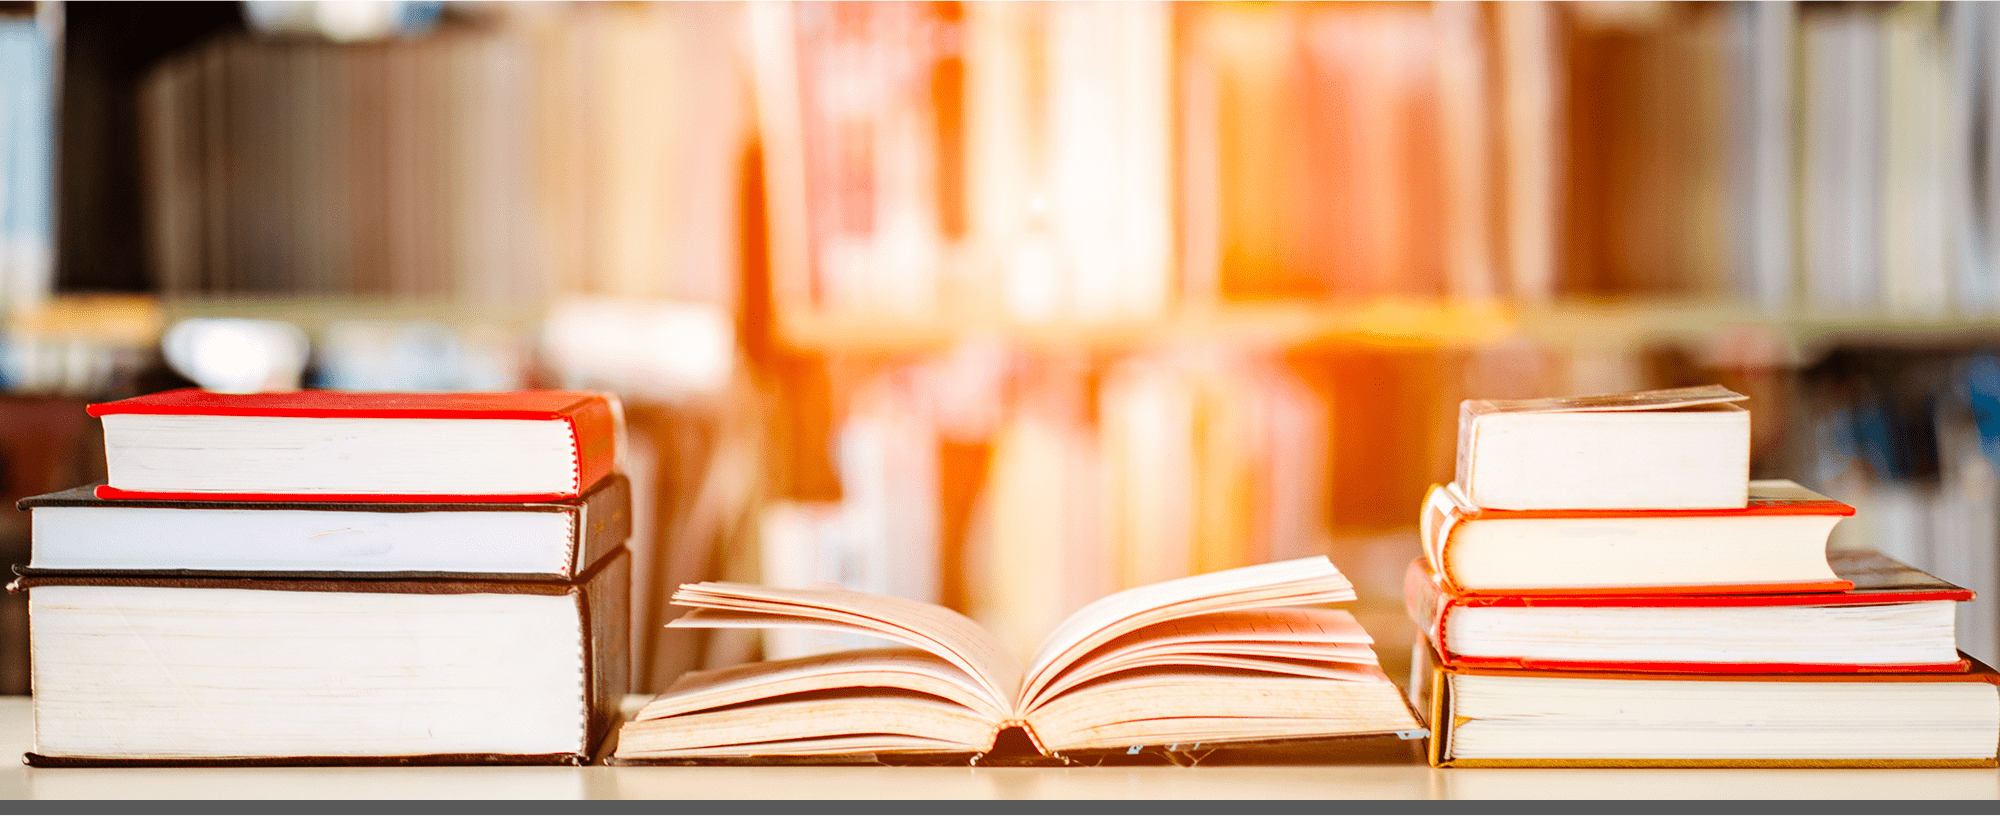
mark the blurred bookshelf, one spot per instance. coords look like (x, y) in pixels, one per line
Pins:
(944, 299)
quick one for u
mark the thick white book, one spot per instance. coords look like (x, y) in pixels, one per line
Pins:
(1676, 448)
(74, 531)
(152, 670)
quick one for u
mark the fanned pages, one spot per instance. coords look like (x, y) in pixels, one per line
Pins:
(1237, 655)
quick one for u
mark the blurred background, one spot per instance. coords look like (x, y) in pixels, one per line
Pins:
(1009, 306)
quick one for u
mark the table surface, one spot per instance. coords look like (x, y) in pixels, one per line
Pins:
(1406, 780)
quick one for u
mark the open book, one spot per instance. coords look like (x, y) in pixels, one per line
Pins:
(1223, 657)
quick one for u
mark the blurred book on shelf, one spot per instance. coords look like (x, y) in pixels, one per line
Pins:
(502, 158)
(1911, 435)
(28, 83)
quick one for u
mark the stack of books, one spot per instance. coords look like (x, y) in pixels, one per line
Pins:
(1604, 585)
(334, 578)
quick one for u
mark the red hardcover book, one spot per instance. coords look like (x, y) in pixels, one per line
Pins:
(516, 446)
(1896, 618)
(1774, 544)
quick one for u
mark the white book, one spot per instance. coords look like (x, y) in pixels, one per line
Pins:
(73, 531)
(1681, 448)
(140, 670)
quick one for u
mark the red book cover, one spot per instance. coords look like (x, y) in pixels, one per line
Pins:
(592, 417)
(1445, 511)
(1875, 579)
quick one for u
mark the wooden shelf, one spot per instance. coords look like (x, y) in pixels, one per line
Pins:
(1290, 324)
(314, 314)
(1733, 330)
(1789, 336)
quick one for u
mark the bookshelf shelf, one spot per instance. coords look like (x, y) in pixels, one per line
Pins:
(1615, 324)
(1796, 334)
(314, 313)
(1386, 323)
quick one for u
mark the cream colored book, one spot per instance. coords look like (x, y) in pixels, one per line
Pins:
(1242, 655)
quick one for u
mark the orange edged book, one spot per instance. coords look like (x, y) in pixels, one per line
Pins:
(1481, 717)
(1776, 543)
(520, 446)
(1896, 618)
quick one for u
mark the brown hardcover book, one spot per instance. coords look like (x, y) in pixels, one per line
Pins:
(1483, 717)
(74, 531)
(148, 670)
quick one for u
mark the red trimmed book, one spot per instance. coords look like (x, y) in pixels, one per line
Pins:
(519, 446)
(1776, 543)
(1896, 618)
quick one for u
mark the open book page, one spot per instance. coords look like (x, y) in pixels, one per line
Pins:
(806, 719)
(1157, 706)
(930, 627)
(1308, 642)
(911, 669)
(821, 747)
(1297, 582)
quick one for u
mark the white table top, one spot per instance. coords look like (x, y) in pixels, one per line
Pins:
(1376, 781)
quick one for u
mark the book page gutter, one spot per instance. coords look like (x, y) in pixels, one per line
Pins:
(1319, 635)
(1186, 663)
(913, 669)
(933, 628)
(1283, 583)
(1053, 663)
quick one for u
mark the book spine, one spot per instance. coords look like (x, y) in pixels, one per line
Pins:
(1468, 420)
(602, 523)
(605, 604)
(1430, 695)
(594, 424)
(1426, 605)
(1438, 519)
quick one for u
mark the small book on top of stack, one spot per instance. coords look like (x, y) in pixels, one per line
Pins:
(334, 578)
(1603, 585)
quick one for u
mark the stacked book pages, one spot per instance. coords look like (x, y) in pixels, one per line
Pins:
(1243, 658)
(1604, 585)
(334, 578)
